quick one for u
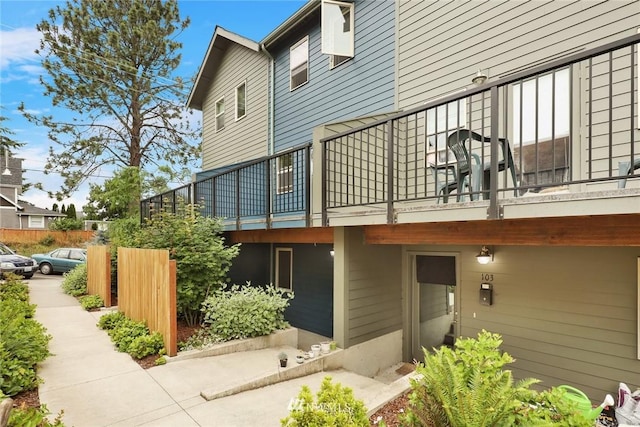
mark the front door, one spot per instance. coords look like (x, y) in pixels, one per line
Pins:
(435, 302)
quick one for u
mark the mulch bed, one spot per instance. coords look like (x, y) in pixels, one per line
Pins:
(184, 332)
(27, 399)
(390, 412)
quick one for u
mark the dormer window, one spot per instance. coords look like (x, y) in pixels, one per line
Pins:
(338, 30)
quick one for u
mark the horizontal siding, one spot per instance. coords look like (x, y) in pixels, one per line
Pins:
(374, 291)
(571, 320)
(361, 86)
(247, 138)
(502, 36)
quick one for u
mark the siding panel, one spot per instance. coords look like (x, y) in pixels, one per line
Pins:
(244, 139)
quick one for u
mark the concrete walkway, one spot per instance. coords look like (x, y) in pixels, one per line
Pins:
(96, 385)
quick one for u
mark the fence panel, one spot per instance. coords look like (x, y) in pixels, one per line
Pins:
(147, 291)
(34, 236)
(99, 272)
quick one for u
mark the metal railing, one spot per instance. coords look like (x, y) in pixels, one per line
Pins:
(274, 186)
(519, 134)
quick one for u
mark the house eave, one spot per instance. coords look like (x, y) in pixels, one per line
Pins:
(215, 51)
(307, 9)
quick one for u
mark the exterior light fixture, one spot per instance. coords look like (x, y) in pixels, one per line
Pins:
(332, 252)
(479, 78)
(485, 256)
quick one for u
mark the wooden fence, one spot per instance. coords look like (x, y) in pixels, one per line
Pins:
(34, 236)
(147, 291)
(99, 272)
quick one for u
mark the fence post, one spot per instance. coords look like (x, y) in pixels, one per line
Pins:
(173, 310)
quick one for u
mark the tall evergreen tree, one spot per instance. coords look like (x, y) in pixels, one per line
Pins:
(71, 211)
(55, 207)
(112, 63)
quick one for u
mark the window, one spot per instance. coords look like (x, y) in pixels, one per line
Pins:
(337, 28)
(440, 122)
(220, 114)
(241, 96)
(36, 221)
(77, 255)
(299, 63)
(284, 268)
(285, 174)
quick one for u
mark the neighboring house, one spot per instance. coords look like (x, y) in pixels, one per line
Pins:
(16, 213)
(550, 183)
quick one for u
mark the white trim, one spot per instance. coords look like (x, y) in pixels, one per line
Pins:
(302, 41)
(334, 39)
(236, 101)
(36, 225)
(216, 114)
(277, 281)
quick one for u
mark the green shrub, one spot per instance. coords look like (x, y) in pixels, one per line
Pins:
(111, 320)
(126, 332)
(66, 224)
(245, 312)
(47, 240)
(468, 386)
(75, 281)
(33, 417)
(90, 302)
(14, 288)
(146, 345)
(335, 405)
(23, 343)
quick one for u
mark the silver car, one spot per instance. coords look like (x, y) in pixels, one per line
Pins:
(11, 262)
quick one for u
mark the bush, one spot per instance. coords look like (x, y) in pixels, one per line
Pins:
(47, 240)
(111, 320)
(127, 331)
(33, 417)
(202, 259)
(469, 387)
(90, 302)
(335, 406)
(246, 312)
(203, 337)
(146, 345)
(66, 224)
(23, 343)
(75, 281)
(14, 288)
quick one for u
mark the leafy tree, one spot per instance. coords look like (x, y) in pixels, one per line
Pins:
(55, 207)
(65, 224)
(71, 211)
(112, 63)
(6, 141)
(197, 245)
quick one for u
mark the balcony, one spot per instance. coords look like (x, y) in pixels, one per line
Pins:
(558, 139)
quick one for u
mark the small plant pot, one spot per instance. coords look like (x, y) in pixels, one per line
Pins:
(325, 347)
(316, 350)
(283, 363)
(333, 346)
(300, 359)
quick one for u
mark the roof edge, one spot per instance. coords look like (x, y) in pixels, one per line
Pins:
(306, 9)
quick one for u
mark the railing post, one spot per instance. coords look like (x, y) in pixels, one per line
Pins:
(307, 185)
(390, 171)
(493, 211)
(238, 199)
(323, 177)
(268, 194)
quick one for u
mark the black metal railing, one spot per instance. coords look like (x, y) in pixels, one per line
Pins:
(259, 191)
(517, 135)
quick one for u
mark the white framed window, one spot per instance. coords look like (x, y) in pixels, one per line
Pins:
(338, 28)
(284, 268)
(241, 100)
(299, 63)
(440, 122)
(220, 114)
(284, 176)
(36, 221)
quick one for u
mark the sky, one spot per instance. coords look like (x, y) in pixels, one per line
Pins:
(20, 69)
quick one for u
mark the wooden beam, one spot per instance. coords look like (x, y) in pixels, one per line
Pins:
(597, 230)
(283, 235)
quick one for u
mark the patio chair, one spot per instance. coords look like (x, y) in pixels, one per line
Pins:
(625, 169)
(469, 164)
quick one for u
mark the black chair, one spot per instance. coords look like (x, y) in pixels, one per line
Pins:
(468, 166)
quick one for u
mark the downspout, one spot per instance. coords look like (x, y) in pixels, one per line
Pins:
(272, 104)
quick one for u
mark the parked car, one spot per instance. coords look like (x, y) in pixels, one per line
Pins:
(11, 262)
(60, 260)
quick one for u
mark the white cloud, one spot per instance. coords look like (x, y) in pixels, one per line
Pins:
(18, 46)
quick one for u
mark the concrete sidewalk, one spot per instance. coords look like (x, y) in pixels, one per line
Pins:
(96, 385)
